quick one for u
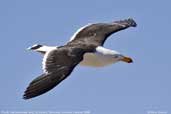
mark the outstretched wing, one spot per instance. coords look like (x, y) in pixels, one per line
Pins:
(97, 33)
(57, 65)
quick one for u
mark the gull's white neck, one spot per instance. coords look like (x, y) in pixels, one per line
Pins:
(106, 51)
(102, 57)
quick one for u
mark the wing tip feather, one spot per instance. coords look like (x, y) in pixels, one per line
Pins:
(131, 22)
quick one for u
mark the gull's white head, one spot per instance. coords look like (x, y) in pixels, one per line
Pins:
(113, 55)
(103, 57)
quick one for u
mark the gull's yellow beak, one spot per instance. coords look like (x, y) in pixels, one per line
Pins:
(127, 59)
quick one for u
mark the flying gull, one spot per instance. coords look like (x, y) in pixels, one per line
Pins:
(85, 48)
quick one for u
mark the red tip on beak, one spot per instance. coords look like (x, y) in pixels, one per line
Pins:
(127, 59)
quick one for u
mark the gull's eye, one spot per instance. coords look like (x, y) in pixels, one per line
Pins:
(116, 56)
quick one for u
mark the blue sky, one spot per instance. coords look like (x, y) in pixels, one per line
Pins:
(117, 89)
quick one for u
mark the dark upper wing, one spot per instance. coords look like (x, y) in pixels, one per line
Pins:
(58, 64)
(97, 33)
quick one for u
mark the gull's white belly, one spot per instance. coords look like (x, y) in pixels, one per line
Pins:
(102, 56)
(97, 60)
